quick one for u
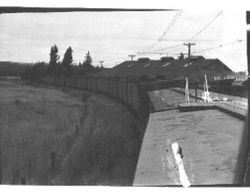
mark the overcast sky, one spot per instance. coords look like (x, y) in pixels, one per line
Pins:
(112, 36)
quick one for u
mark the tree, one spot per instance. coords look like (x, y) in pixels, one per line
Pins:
(87, 64)
(35, 72)
(88, 59)
(181, 57)
(54, 57)
(67, 62)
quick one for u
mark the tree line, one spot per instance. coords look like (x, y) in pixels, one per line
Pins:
(64, 68)
(13, 69)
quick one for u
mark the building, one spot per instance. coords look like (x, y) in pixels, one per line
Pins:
(169, 68)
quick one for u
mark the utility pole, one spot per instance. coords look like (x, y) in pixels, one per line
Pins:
(189, 45)
(131, 56)
(101, 62)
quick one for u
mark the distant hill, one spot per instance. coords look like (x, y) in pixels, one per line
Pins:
(8, 68)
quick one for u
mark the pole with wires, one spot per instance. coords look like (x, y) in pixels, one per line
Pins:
(221, 45)
(189, 45)
(170, 25)
(188, 40)
(131, 56)
(101, 62)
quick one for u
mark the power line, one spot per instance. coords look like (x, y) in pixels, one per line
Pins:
(171, 24)
(197, 40)
(206, 26)
(193, 37)
(170, 47)
(221, 45)
(160, 53)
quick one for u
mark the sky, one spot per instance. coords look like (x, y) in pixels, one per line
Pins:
(112, 36)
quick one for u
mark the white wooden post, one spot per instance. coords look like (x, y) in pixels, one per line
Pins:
(187, 100)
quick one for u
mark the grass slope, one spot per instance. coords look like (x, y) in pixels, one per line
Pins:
(96, 142)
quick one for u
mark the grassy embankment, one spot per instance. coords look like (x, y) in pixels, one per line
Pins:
(96, 141)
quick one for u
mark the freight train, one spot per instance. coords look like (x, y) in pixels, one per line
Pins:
(126, 91)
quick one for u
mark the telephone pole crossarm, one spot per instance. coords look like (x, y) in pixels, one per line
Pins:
(101, 62)
(131, 56)
(189, 45)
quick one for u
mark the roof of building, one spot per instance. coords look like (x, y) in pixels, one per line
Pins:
(167, 66)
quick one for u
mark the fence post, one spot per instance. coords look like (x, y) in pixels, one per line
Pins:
(196, 94)
(53, 160)
(76, 131)
(23, 181)
(16, 174)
